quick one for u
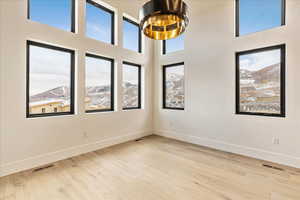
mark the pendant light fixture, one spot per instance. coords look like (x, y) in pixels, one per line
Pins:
(164, 19)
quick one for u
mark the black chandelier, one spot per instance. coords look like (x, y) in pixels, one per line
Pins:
(164, 19)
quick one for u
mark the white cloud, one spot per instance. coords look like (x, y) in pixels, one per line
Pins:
(97, 72)
(130, 74)
(257, 61)
(48, 69)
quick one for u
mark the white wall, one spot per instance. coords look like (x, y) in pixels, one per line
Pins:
(209, 118)
(26, 143)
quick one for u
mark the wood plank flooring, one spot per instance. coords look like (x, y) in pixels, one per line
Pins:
(154, 168)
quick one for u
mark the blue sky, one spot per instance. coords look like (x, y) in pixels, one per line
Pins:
(255, 15)
(55, 13)
(130, 36)
(175, 44)
(259, 15)
(98, 23)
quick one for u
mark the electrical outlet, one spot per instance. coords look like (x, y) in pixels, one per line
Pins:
(85, 135)
(276, 141)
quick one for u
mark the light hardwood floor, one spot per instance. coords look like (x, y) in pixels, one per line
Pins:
(154, 168)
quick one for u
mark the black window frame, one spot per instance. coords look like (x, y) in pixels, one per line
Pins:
(73, 16)
(139, 86)
(282, 48)
(139, 35)
(103, 8)
(164, 47)
(164, 89)
(237, 16)
(72, 79)
(112, 83)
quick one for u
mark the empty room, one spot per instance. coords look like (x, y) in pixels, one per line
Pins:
(149, 100)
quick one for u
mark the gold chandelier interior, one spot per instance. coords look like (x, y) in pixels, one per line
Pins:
(163, 26)
(164, 19)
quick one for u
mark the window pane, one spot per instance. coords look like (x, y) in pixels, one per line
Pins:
(174, 86)
(131, 86)
(98, 84)
(49, 81)
(260, 82)
(259, 15)
(57, 13)
(99, 23)
(176, 44)
(131, 36)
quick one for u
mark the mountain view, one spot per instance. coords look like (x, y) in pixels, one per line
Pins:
(260, 90)
(97, 98)
(130, 95)
(175, 90)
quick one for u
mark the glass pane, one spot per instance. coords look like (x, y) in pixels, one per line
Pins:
(49, 81)
(260, 82)
(176, 44)
(259, 15)
(131, 36)
(99, 24)
(98, 84)
(57, 13)
(130, 86)
(174, 86)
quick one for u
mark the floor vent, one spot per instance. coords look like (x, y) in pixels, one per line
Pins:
(273, 167)
(43, 168)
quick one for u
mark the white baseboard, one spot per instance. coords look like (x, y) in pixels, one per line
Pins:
(40, 160)
(233, 148)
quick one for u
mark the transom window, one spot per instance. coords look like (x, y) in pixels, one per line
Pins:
(56, 13)
(99, 22)
(132, 37)
(173, 86)
(131, 86)
(258, 15)
(99, 84)
(50, 80)
(173, 45)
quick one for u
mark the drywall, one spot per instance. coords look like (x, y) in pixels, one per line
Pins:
(209, 118)
(27, 143)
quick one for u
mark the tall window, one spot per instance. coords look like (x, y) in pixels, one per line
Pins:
(260, 76)
(99, 84)
(131, 86)
(173, 45)
(173, 86)
(132, 37)
(50, 80)
(258, 15)
(57, 13)
(99, 22)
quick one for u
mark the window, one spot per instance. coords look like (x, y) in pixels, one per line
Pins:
(50, 80)
(132, 37)
(173, 45)
(57, 13)
(260, 76)
(99, 84)
(131, 86)
(173, 86)
(258, 15)
(99, 22)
